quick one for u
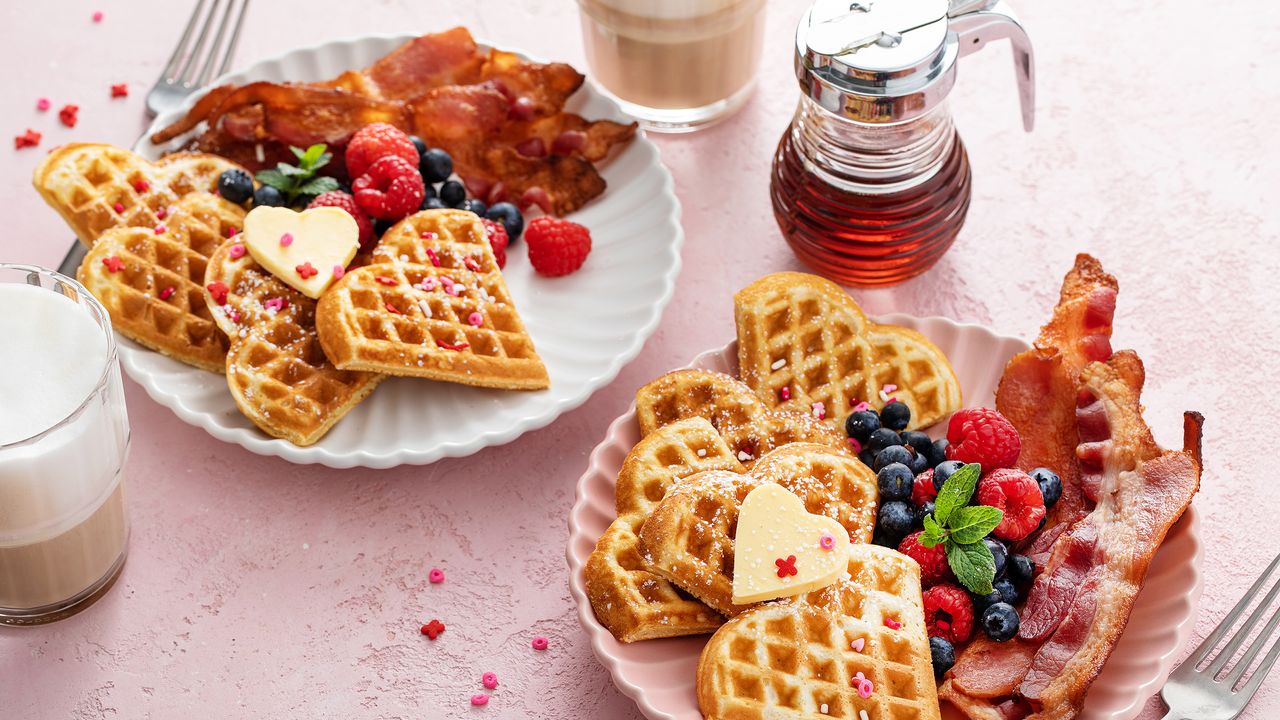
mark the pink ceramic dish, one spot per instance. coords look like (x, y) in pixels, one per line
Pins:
(659, 674)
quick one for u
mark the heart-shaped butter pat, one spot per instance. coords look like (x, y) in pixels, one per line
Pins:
(781, 550)
(307, 250)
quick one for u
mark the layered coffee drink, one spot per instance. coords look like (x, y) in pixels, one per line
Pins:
(674, 64)
(63, 440)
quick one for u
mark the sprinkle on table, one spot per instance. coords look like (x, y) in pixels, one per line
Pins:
(69, 115)
(539, 643)
(432, 629)
(120, 90)
(97, 16)
(479, 699)
(489, 680)
(436, 575)
(43, 104)
(30, 138)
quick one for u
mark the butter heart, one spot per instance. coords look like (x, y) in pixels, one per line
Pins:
(307, 250)
(781, 550)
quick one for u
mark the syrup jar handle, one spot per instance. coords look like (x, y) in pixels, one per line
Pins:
(978, 22)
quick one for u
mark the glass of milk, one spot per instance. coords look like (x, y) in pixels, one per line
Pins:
(64, 436)
(676, 65)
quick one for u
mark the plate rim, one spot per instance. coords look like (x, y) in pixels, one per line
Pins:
(257, 442)
(596, 632)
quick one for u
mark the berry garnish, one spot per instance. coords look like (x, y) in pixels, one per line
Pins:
(948, 613)
(375, 141)
(895, 481)
(881, 439)
(894, 521)
(498, 239)
(235, 186)
(999, 553)
(1000, 622)
(983, 436)
(510, 217)
(432, 203)
(923, 490)
(418, 145)
(943, 654)
(982, 602)
(1050, 485)
(1014, 493)
(892, 454)
(895, 415)
(435, 165)
(943, 471)
(861, 424)
(339, 199)
(937, 452)
(960, 529)
(932, 560)
(390, 189)
(918, 441)
(1008, 591)
(557, 247)
(267, 196)
(473, 205)
(300, 181)
(928, 508)
(1020, 569)
(452, 193)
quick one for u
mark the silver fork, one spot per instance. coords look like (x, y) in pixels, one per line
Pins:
(195, 61)
(1203, 688)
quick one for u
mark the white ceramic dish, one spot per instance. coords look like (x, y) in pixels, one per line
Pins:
(585, 326)
(659, 674)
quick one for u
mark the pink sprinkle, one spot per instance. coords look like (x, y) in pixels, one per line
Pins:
(452, 290)
(435, 259)
(827, 541)
(893, 399)
(858, 644)
(888, 388)
(233, 314)
(166, 293)
(476, 319)
(338, 271)
(141, 186)
(231, 232)
(539, 643)
(97, 16)
(160, 229)
(236, 251)
(43, 104)
(118, 207)
(275, 303)
(489, 680)
(428, 235)
(784, 394)
(820, 411)
(892, 624)
(436, 575)
(428, 284)
(857, 446)
(865, 688)
(286, 240)
(479, 700)
(161, 213)
(861, 406)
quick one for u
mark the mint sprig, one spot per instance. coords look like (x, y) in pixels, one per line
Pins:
(959, 528)
(298, 181)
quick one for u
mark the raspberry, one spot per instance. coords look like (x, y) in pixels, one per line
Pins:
(948, 613)
(499, 240)
(923, 490)
(984, 436)
(933, 561)
(390, 189)
(557, 247)
(339, 199)
(1017, 494)
(373, 142)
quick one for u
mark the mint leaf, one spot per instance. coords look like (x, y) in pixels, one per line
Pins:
(933, 532)
(312, 156)
(973, 565)
(290, 171)
(316, 186)
(275, 179)
(956, 491)
(298, 153)
(971, 523)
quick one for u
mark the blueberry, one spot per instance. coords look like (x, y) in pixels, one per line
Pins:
(429, 191)
(432, 203)
(895, 480)
(881, 439)
(926, 509)
(895, 415)
(476, 206)
(937, 453)
(917, 440)
(1000, 622)
(861, 424)
(1021, 570)
(453, 193)
(892, 454)
(267, 196)
(417, 142)
(943, 654)
(894, 520)
(879, 538)
(868, 458)
(435, 166)
(1050, 485)
(918, 463)
(944, 471)
(235, 186)
(982, 602)
(999, 552)
(1008, 593)
(510, 217)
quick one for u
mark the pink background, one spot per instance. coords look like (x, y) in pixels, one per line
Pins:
(259, 588)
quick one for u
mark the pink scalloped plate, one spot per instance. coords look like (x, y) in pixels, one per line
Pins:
(659, 674)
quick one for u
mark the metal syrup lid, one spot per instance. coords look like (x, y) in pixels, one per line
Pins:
(885, 61)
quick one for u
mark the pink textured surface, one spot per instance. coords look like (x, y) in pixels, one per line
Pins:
(258, 588)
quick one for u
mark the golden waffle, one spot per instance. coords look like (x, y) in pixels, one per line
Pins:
(152, 283)
(431, 303)
(804, 344)
(795, 659)
(629, 600)
(688, 538)
(97, 187)
(750, 428)
(276, 370)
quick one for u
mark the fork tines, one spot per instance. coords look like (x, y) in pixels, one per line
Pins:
(1217, 664)
(198, 57)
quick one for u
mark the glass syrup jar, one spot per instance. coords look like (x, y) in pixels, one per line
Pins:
(871, 182)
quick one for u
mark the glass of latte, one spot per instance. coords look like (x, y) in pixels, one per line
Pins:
(64, 436)
(676, 65)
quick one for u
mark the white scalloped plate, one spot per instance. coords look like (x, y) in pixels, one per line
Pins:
(659, 675)
(585, 326)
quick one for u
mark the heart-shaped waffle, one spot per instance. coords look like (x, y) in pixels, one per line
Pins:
(276, 369)
(749, 427)
(431, 303)
(855, 650)
(689, 537)
(151, 280)
(804, 344)
(97, 187)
